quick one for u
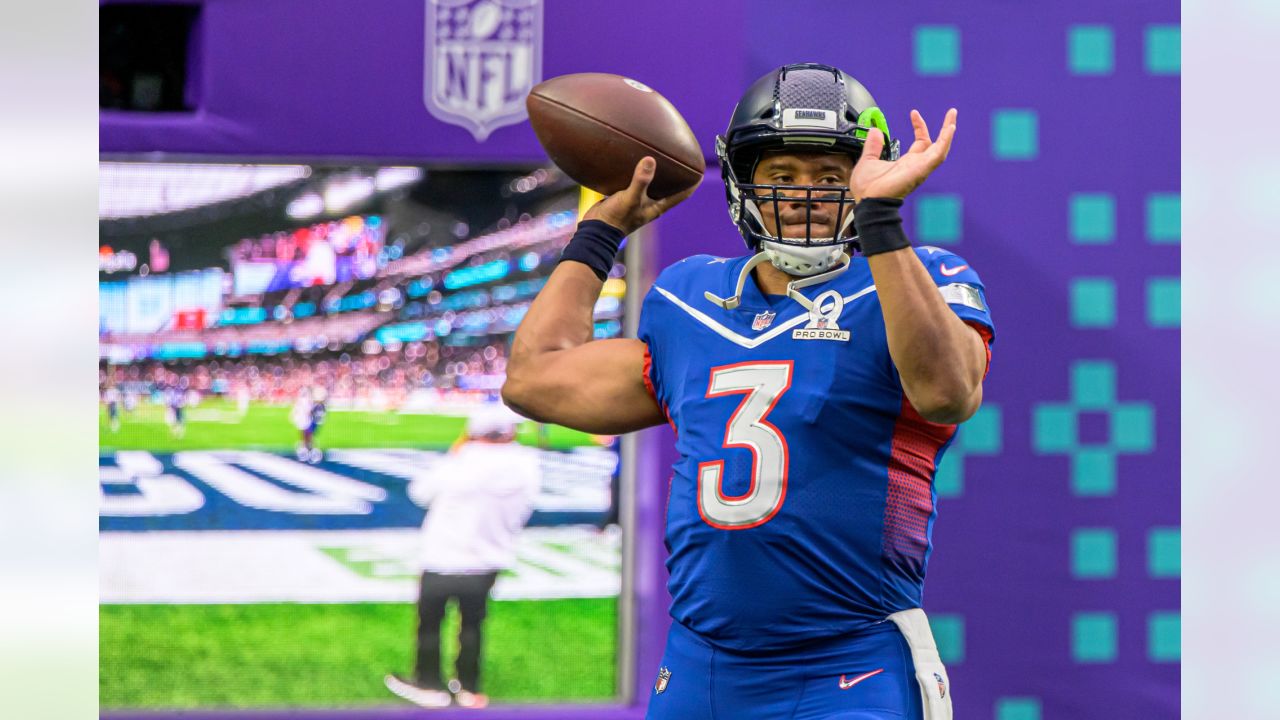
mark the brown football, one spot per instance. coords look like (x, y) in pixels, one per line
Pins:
(596, 127)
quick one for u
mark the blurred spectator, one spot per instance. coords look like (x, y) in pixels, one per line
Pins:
(478, 499)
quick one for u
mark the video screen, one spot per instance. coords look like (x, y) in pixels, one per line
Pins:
(294, 363)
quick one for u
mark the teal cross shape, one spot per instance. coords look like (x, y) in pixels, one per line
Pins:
(1093, 464)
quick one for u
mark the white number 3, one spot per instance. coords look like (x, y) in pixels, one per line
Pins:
(762, 383)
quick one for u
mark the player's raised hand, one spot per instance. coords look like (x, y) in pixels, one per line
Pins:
(873, 177)
(632, 208)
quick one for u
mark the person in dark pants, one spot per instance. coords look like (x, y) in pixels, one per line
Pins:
(472, 595)
(478, 498)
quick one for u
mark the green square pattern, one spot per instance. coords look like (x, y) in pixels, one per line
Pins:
(1015, 134)
(948, 633)
(948, 481)
(938, 218)
(1164, 49)
(1093, 302)
(1164, 637)
(937, 50)
(1093, 473)
(1090, 50)
(1164, 218)
(1133, 428)
(1093, 218)
(1093, 637)
(1164, 302)
(981, 433)
(1093, 553)
(1017, 708)
(1055, 428)
(1093, 384)
(1164, 552)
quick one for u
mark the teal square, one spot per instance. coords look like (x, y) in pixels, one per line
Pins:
(1164, 302)
(981, 433)
(1090, 50)
(1093, 303)
(1054, 428)
(1017, 708)
(1164, 49)
(1093, 384)
(1164, 552)
(948, 481)
(1093, 218)
(937, 50)
(1093, 553)
(948, 633)
(1015, 134)
(1093, 473)
(938, 219)
(1093, 637)
(1133, 428)
(1164, 218)
(1164, 637)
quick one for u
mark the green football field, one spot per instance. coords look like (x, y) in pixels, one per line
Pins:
(217, 425)
(293, 655)
(318, 656)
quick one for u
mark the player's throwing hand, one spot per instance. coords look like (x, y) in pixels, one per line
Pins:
(873, 177)
(632, 208)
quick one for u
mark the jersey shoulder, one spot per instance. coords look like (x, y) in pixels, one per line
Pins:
(695, 274)
(947, 267)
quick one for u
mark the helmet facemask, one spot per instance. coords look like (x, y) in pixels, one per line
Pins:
(803, 108)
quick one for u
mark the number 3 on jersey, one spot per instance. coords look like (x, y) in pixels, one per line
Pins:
(762, 383)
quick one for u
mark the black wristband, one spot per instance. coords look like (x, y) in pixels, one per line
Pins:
(594, 244)
(879, 225)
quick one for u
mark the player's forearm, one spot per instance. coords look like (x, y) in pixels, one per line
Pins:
(560, 318)
(939, 358)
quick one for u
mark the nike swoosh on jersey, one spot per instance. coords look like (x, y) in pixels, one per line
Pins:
(846, 684)
(951, 271)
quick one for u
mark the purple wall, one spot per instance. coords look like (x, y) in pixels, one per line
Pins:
(1054, 585)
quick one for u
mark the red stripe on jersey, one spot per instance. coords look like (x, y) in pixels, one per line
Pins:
(909, 504)
(985, 332)
(647, 375)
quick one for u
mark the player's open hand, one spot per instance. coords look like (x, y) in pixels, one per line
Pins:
(873, 177)
(632, 208)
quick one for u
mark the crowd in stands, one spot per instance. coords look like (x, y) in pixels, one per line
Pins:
(385, 380)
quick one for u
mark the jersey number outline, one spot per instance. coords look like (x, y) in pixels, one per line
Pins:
(763, 383)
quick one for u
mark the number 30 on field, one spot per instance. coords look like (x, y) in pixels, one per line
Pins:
(762, 383)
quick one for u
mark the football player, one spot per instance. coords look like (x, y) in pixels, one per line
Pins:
(813, 385)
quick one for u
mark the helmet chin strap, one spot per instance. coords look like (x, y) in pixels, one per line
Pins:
(736, 299)
(793, 287)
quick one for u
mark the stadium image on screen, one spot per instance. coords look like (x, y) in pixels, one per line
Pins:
(284, 351)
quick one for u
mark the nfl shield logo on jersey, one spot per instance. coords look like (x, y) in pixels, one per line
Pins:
(664, 675)
(942, 686)
(482, 58)
(763, 320)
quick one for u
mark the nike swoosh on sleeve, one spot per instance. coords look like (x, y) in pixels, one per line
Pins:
(949, 272)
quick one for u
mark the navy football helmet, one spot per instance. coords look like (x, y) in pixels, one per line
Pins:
(804, 107)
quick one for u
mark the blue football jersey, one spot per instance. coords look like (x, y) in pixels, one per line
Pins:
(802, 505)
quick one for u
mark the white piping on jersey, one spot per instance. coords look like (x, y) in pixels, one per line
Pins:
(737, 339)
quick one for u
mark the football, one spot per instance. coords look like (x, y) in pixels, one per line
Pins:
(596, 127)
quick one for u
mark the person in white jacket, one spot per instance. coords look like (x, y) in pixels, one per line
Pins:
(478, 499)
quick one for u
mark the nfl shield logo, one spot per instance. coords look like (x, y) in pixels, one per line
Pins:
(942, 686)
(763, 320)
(663, 676)
(482, 58)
